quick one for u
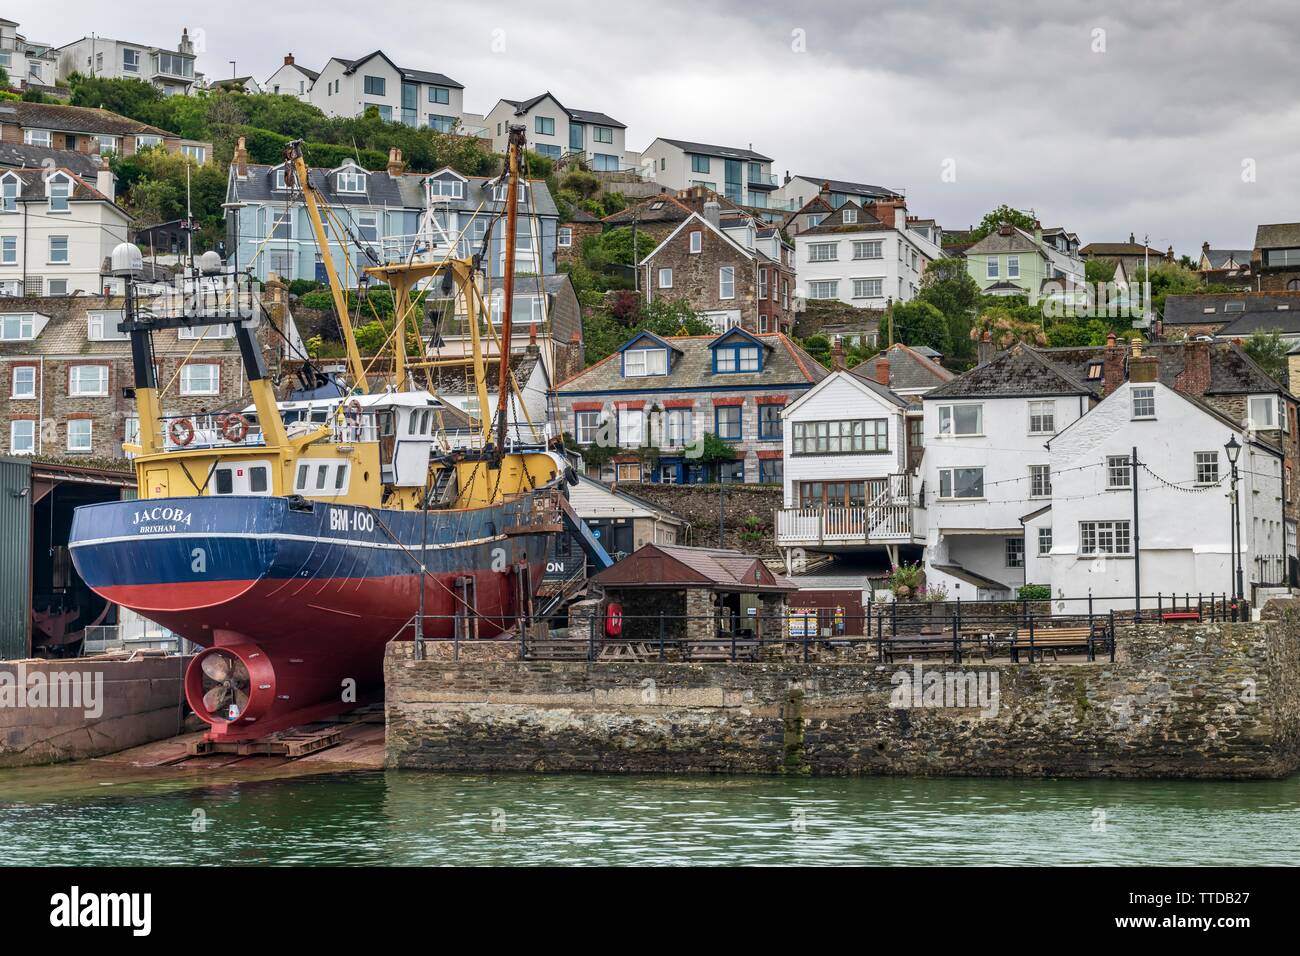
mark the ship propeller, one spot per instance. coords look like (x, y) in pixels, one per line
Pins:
(225, 682)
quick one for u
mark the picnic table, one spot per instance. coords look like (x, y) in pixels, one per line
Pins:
(626, 651)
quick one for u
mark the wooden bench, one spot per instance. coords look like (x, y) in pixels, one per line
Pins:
(1169, 616)
(557, 649)
(1053, 639)
(722, 650)
(932, 645)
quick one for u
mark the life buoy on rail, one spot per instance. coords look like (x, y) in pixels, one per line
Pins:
(614, 619)
(234, 428)
(181, 431)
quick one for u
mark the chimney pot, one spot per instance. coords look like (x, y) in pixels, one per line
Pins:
(288, 59)
(240, 159)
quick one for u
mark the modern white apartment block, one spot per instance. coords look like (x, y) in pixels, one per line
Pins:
(401, 95)
(863, 255)
(28, 63)
(741, 175)
(56, 231)
(171, 70)
(554, 130)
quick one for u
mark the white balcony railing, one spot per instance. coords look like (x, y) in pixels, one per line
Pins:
(844, 525)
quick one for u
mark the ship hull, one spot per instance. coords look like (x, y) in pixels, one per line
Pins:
(314, 590)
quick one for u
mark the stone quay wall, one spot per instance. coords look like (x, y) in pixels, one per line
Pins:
(1210, 700)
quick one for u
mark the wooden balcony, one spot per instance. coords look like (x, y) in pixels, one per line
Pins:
(889, 523)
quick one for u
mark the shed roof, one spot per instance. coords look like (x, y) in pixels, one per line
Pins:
(677, 566)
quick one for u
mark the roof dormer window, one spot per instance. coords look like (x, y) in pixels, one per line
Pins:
(11, 188)
(351, 180)
(280, 181)
(58, 190)
(638, 363)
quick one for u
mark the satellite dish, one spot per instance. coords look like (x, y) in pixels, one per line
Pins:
(127, 261)
(210, 263)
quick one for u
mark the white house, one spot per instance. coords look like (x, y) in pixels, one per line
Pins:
(402, 95)
(795, 191)
(847, 484)
(741, 175)
(986, 464)
(56, 230)
(291, 79)
(555, 130)
(27, 63)
(1087, 541)
(863, 255)
(172, 71)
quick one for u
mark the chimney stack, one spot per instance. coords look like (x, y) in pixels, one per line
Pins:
(984, 350)
(240, 159)
(105, 183)
(185, 46)
(1142, 368)
(713, 212)
(1205, 248)
(881, 369)
(1112, 365)
(395, 164)
(1194, 379)
(1132, 239)
(837, 354)
(288, 59)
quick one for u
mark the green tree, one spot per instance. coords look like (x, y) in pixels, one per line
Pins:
(920, 323)
(948, 286)
(129, 97)
(1269, 351)
(997, 217)
(1099, 270)
(819, 347)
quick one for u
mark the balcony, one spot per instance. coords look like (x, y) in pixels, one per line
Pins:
(886, 519)
(763, 181)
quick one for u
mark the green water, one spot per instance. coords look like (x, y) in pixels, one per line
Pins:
(72, 815)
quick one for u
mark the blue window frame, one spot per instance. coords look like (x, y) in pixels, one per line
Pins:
(742, 357)
(699, 164)
(439, 94)
(769, 422)
(728, 422)
(374, 86)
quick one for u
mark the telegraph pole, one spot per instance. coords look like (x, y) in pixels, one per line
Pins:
(1137, 551)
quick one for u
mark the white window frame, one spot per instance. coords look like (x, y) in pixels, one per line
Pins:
(991, 268)
(631, 427)
(644, 366)
(67, 251)
(1041, 410)
(862, 288)
(1119, 473)
(78, 389)
(1040, 481)
(950, 474)
(1013, 267)
(727, 282)
(38, 137)
(1269, 407)
(29, 426)
(665, 278)
(1045, 540)
(948, 420)
(89, 426)
(1094, 534)
(818, 288)
(26, 325)
(868, 249)
(101, 326)
(187, 385)
(1202, 462)
(823, 252)
(586, 426)
(697, 242)
(9, 250)
(351, 181)
(1144, 394)
(564, 237)
(13, 388)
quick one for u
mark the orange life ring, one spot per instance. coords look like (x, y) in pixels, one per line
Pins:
(234, 428)
(181, 431)
(614, 619)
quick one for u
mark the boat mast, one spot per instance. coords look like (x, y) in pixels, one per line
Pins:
(293, 155)
(503, 346)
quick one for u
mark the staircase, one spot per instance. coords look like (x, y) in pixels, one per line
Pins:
(443, 491)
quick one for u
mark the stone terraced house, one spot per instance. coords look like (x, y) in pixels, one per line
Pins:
(652, 402)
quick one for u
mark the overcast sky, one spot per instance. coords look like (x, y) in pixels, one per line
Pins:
(1102, 117)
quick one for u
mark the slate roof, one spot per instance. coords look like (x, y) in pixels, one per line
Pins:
(457, 380)
(1219, 258)
(1020, 370)
(17, 155)
(577, 116)
(1277, 235)
(1119, 249)
(784, 363)
(581, 215)
(73, 119)
(33, 181)
(854, 189)
(68, 331)
(996, 244)
(1232, 371)
(908, 369)
(381, 189)
(670, 209)
(834, 223)
(417, 76)
(722, 152)
(1208, 308)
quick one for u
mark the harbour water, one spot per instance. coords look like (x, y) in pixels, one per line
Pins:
(86, 814)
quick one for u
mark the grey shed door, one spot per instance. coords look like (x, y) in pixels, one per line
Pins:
(15, 557)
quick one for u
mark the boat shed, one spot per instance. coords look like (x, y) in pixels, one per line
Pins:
(696, 594)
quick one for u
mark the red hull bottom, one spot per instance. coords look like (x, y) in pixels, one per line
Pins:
(311, 649)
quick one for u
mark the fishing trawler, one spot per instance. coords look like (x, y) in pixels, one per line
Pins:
(293, 541)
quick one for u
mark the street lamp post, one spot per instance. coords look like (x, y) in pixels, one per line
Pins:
(1233, 448)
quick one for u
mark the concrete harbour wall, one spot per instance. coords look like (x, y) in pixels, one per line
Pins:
(56, 710)
(1202, 700)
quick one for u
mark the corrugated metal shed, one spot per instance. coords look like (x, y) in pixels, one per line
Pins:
(15, 557)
